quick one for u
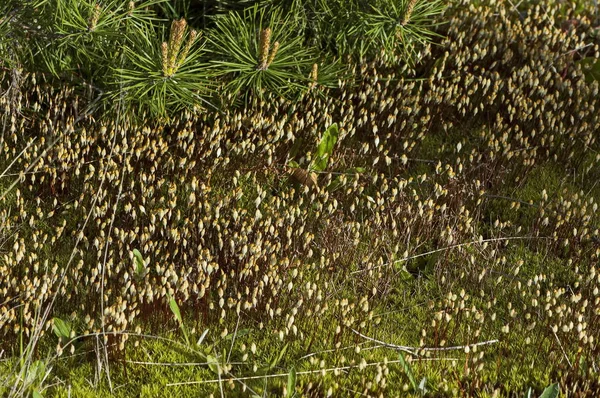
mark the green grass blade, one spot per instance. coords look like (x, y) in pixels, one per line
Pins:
(175, 310)
(291, 383)
(276, 361)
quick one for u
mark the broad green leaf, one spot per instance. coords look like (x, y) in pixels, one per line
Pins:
(291, 384)
(293, 164)
(36, 394)
(61, 329)
(551, 391)
(213, 364)
(325, 148)
(209, 348)
(409, 372)
(35, 373)
(139, 261)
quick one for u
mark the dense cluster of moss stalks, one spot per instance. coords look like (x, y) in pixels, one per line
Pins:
(455, 224)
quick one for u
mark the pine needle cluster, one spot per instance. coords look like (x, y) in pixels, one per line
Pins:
(161, 57)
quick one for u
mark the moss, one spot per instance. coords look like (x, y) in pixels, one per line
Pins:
(547, 177)
(519, 204)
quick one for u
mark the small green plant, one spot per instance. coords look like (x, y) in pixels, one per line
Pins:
(140, 268)
(277, 359)
(35, 377)
(552, 391)
(27, 377)
(67, 336)
(62, 330)
(325, 148)
(319, 163)
(175, 310)
(416, 388)
(212, 361)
